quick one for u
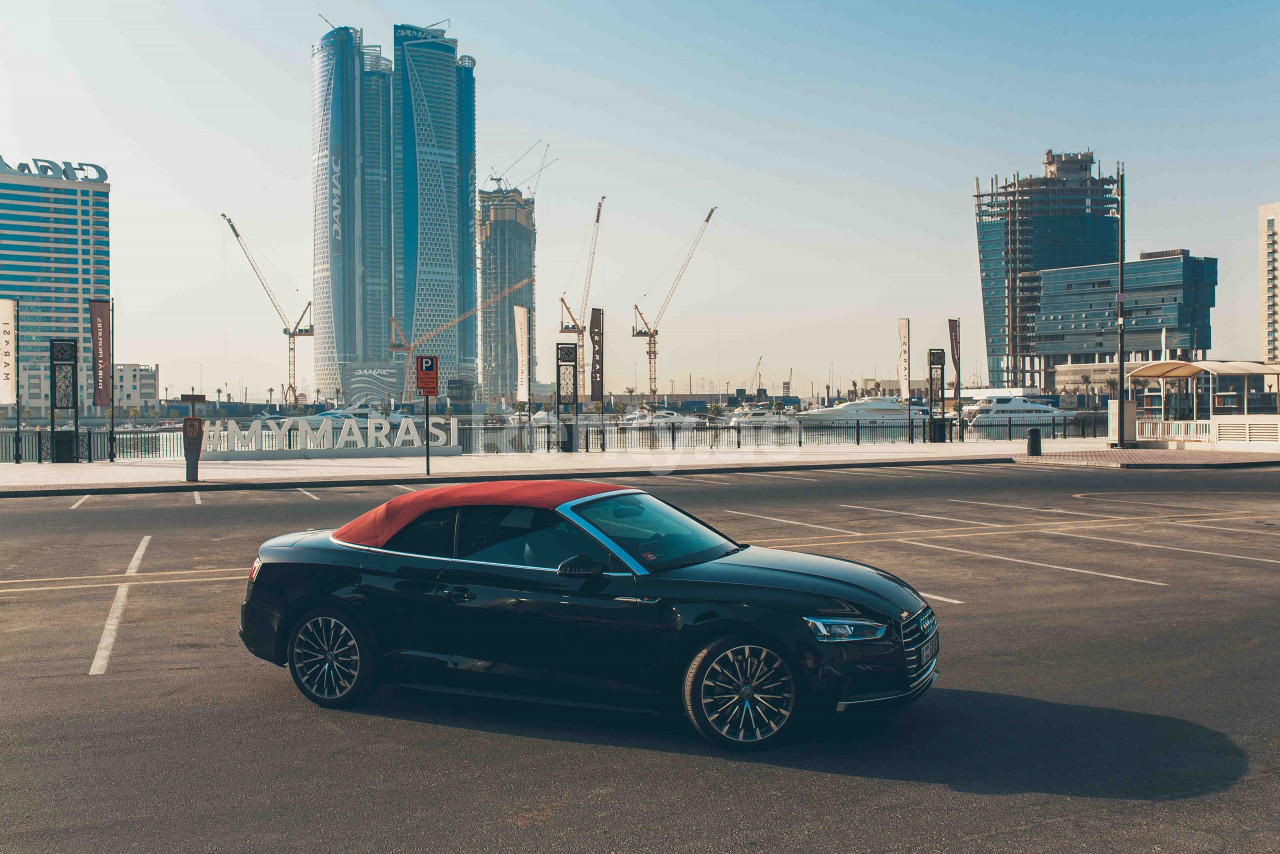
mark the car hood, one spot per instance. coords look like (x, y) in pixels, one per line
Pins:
(807, 573)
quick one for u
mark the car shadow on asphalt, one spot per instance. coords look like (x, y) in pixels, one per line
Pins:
(970, 741)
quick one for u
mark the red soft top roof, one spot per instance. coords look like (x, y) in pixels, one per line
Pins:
(383, 522)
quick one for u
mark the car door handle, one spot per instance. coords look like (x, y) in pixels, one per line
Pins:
(457, 594)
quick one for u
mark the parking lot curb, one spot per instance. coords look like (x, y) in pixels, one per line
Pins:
(424, 480)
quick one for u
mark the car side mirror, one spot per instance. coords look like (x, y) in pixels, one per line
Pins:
(581, 566)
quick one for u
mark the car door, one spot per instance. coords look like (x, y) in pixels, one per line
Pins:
(511, 616)
(401, 583)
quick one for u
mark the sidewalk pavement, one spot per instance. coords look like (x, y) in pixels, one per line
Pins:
(169, 475)
(1153, 458)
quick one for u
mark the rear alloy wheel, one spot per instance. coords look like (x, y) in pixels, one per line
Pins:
(740, 695)
(329, 659)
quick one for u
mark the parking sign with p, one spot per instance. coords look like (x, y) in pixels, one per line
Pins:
(428, 376)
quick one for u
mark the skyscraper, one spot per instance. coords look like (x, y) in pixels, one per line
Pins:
(1067, 218)
(55, 231)
(1268, 216)
(433, 187)
(351, 184)
(508, 235)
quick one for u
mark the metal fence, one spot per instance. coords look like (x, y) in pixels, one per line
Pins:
(592, 436)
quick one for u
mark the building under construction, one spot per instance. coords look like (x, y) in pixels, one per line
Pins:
(1066, 218)
(507, 240)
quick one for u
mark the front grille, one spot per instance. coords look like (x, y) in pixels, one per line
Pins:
(915, 632)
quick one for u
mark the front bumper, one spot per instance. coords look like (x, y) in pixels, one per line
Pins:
(896, 699)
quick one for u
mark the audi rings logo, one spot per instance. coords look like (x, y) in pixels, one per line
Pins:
(927, 624)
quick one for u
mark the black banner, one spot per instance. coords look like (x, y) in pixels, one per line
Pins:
(597, 354)
(954, 327)
(100, 323)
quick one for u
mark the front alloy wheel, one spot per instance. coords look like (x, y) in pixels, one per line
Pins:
(328, 659)
(739, 695)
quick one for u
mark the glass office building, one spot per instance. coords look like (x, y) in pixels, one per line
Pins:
(351, 183)
(55, 256)
(1066, 218)
(433, 198)
(1168, 296)
(508, 236)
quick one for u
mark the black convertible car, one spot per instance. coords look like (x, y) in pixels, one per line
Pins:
(590, 594)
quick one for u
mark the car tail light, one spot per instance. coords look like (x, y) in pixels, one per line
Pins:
(253, 573)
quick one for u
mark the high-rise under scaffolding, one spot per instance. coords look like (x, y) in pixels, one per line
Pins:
(1067, 218)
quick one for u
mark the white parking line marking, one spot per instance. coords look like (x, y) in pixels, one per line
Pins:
(137, 556)
(965, 470)
(680, 477)
(122, 586)
(308, 494)
(791, 522)
(941, 598)
(82, 500)
(868, 473)
(920, 515)
(405, 488)
(1032, 563)
(108, 639)
(136, 575)
(1233, 530)
(783, 476)
(1166, 548)
(1036, 509)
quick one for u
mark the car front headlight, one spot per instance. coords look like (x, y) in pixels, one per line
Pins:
(844, 629)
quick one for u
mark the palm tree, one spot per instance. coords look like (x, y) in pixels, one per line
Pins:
(631, 391)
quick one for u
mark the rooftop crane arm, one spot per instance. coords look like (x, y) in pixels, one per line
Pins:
(258, 272)
(591, 263)
(657, 320)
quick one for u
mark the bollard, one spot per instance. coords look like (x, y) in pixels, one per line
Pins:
(1033, 442)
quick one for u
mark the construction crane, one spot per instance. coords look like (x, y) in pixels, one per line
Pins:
(577, 324)
(296, 331)
(399, 344)
(757, 377)
(642, 328)
(786, 386)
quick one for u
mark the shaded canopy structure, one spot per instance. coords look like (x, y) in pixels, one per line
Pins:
(1230, 389)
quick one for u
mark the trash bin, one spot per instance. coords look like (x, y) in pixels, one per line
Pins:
(1033, 442)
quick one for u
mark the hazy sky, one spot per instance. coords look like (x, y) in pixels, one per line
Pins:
(840, 142)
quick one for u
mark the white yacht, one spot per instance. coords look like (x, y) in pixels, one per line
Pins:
(759, 417)
(1003, 410)
(866, 410)
(646, 418)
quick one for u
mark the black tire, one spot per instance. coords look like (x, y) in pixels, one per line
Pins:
(330, 658)
(740, 694)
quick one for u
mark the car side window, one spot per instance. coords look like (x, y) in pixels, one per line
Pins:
(430, 535)
(523, 536)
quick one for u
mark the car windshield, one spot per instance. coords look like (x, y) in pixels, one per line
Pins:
(657, 535)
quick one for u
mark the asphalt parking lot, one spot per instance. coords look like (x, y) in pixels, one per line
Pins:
(1107, 683)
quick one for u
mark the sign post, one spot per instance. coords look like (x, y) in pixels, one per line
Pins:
(597, 365)
(428, 376)
(63, 356)
(937, 363)
(567, 390)
(9, 367)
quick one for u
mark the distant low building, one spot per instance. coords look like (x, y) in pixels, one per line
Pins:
(138, 385)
